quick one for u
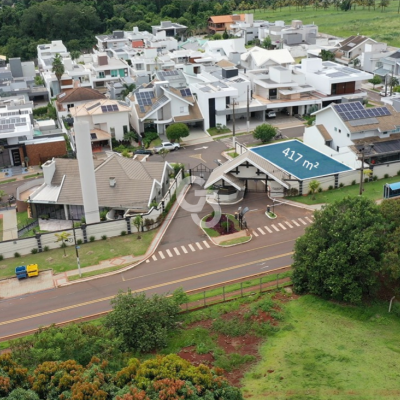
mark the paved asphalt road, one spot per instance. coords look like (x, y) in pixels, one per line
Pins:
(202, 265)
(208, 266)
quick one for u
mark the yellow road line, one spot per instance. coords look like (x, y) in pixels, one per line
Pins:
(141, 290)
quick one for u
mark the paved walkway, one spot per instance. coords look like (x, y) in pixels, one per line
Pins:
(225, 238)
(10, 230)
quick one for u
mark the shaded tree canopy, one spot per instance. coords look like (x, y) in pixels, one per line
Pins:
(340, 255)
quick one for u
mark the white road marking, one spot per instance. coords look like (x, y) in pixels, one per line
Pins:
(282, 226)
(184, 249)
(199, 246)
(275, 228)
(309, 220)
(154, 258)
(169, 253)
(304, 223)
(255, 234)
(147, 261)
(177, 251)
(206, 244)
(288, 224)
(296, 223)
(261, 231)
(191, 247)
(161, 254)
(269, 230)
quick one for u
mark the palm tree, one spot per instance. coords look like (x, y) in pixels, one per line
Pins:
(393, 81)
(127, 88)
(63, 237)
(58, 68)
(314, 186)
(356, 62)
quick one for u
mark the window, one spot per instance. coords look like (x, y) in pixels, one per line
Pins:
(181, 110)
(101, 74)
(114, 73)
(125, 128)
(340, 131)
(335, 129)
(112, 132)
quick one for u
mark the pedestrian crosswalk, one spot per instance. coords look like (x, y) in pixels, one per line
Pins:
(179, 250)
(281, 226)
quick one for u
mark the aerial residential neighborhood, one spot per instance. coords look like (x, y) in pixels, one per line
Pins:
(199, 199)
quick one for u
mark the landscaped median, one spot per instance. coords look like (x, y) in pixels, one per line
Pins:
(224, 230)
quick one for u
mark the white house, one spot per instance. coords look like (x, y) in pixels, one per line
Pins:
(46, 53)
(107, 118)
(229, 49)
(341, 129)
(259, 58)
(170, 28)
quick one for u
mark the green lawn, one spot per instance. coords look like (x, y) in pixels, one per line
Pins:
(327, 351)
(23, 220)
(372, 190)
(155, 143)
(212, 232)
(381, 26)
(215, 131)
(8, 181)
(89, 254)
(1, 228)
(37, 175)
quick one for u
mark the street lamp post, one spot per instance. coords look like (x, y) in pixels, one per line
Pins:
(76, 251)
(363, 150)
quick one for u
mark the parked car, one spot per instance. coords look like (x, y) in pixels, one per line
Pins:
(167, 146)
(144, 151)
(271, 114)
(383, 94)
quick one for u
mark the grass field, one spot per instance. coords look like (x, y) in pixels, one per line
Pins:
(381, 26)
(23, 220)
(89, 254)
(372, 190)
(327, 351)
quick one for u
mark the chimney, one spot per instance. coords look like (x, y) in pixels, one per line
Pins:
(113, 181)
(49, 168)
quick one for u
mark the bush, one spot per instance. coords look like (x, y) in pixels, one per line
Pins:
(92, 239)
(104, 237)
(143, 323)
(1, 257)
(374, 178)
(17, 255)
(353, 182)
(398, 173)
(83, 220)
(366, 180)
(148, 222)
(46, 248)
(224, 225)
(103, 215)
(330, 187)
(79, 241)
(319, 189)
(148, 138)
(34, 250)
(175, 132)
(264, 132)
(386, 176)
(123, 233)
(341, 184)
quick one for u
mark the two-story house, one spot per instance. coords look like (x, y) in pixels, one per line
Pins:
(220, 23)
(171, 29)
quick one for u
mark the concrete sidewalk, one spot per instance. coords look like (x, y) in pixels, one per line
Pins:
(10, 225)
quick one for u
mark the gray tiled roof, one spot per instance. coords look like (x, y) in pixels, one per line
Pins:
(134, 181)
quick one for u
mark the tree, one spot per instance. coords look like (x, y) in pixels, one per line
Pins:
(340, 254)
(356, 62)
(327, 55)
(58, 68)
(75, 54)
(177, 131)
(137, 221)
(132, 136)
(163, 153)
(225, 35)
(313, 186)
(63, 238)
(376, 80)
(393, 81)
(127, 88)
(264, 132)
(143, 323)
(39, 81)
(267, 43)
(217, 36)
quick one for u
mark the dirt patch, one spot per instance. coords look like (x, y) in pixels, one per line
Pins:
(285, 297)
(189, 354)
(221, 227)
(262, 316)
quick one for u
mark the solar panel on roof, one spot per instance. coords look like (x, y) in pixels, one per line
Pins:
(115, 107)
(104, 109)
(93, 106)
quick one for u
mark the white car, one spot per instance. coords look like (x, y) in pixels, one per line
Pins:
(167, 146)
(271, 114)
(394, 94)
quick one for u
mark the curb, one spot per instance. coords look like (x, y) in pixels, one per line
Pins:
(219, 245)
(169, 219)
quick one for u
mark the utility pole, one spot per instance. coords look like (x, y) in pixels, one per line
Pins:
(76, 251)
(248, 109)
(362, 171)
(233, 127)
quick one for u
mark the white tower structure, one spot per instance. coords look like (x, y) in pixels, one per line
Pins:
(86, 172)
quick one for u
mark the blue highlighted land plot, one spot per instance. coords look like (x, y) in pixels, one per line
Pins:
(300, 160)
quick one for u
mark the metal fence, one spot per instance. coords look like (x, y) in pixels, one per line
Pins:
(27, 228)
